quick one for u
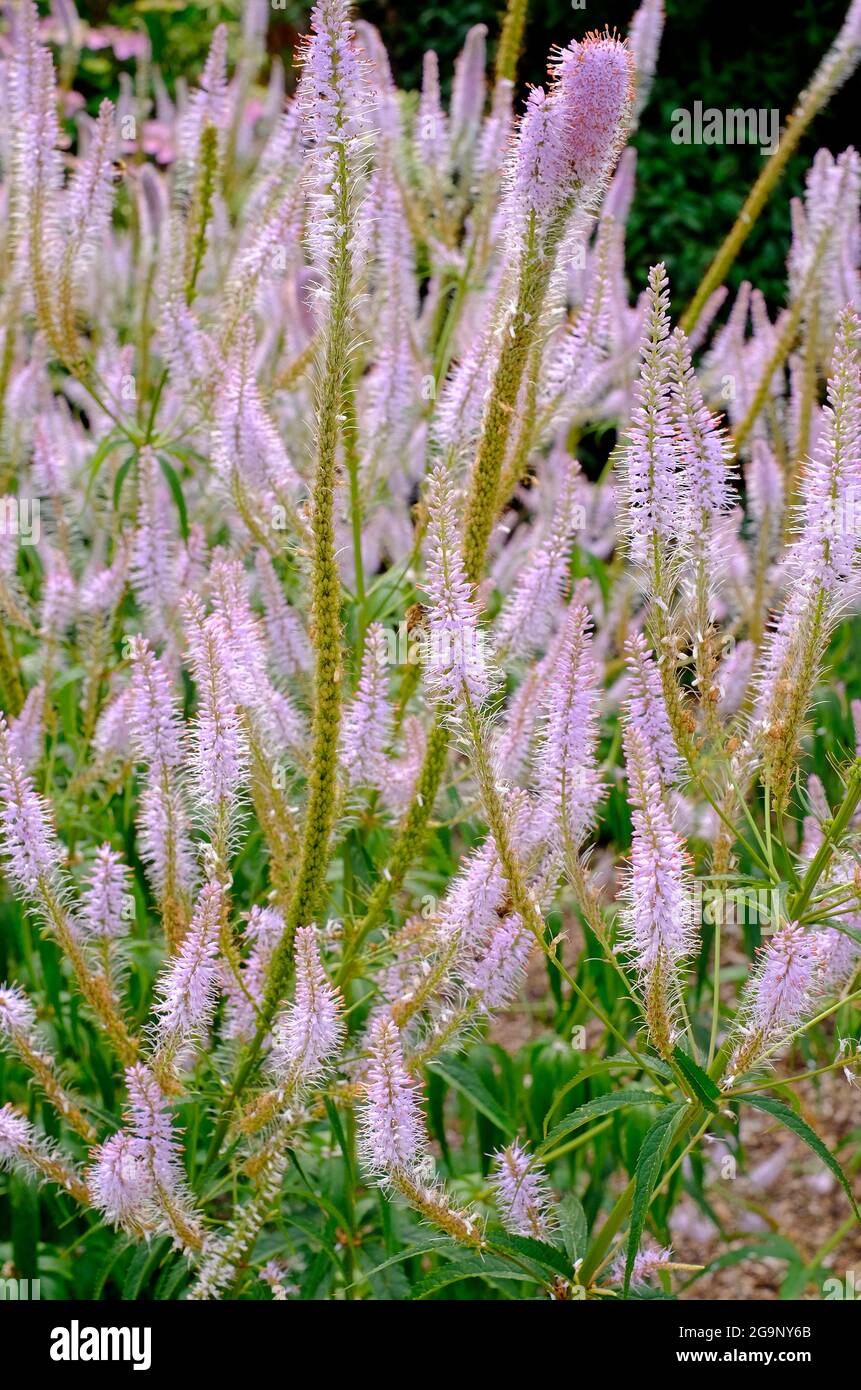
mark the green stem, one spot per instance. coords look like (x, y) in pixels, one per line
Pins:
(332, 389)
(202, 207)
(830, 73)
(480, 515)
(774, 1081)
(822, 858)
(500, 411)
(715, 990)
(600, 1247)
(785, 341)
(511, 40)
(579, 1142)
(351, 460)
(833, 1241)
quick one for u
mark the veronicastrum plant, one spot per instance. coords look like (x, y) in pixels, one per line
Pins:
(413, 635)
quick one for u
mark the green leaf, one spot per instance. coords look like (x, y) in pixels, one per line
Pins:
(649, 1162)
(617, 1061)
(175, 486)
(338, 1130)
(462, 1077)
(538, 1252)
(409, 1253)
(700, 1085)
(793, 1286)
(24, 1202)
(313, 1278)
(118, 1247)
(120, 478)
(145, 1261)
(573, 1226)
(788, 1117)
(467, 1267)
(170, 1279)
(109, 442)
(593, 1109)
(437, 1091)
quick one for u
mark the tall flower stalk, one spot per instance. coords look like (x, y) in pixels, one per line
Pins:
(332, 97)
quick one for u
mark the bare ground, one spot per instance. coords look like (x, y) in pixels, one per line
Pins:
(783, 1188)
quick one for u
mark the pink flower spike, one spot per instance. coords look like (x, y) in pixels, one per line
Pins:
(644, 38)
(310, 1031)
(568, 782)
(120, 1184)
(659, 920)
(187, 991)
(647, 1263)
(782, 993)
(431, 131)
(468, 93)
(219, 743)
(456, 665)
(532, 607)
(521, 1191)
(652, 480)
(154, 548)
(393, 1135)
(27, 732)
(594, 86)
(334, 99)
(104, 895)
(571, 135)
(30, 847)
(701, 444)
(150, 1126)
(647, 711)
(264, 929)
(494, 977)
(154, 714)
(368, 719)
